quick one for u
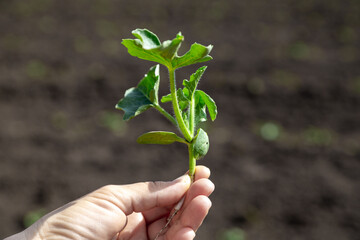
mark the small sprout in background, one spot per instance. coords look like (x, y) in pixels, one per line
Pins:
(112, 122)
(110, 47)
(285, 79)
(47, 24)
(270, 131)
(33, 216)
(256, 86)
(106, 29)
(82, 44)
(32, 8)
(232, 234)
(299, 51)
(347, 35)
(11, 42)
(348, 53)
(354, 85)
(101, 7)
(36, 69)
(59, 120)
(318, 136)
(305, 52)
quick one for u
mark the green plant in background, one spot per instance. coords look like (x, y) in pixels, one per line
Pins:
(189, 104)
(112, 122)
(32, 216)
(232, 234)
(318, 136)
(270, 131)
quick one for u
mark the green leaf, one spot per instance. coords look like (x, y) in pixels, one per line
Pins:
(202, 97)
(201, 144)
(166, 98)
(200, 111)
(198, 53)
(194, 80)
(138, 99)
(169, 48)
(147, 46)
(159, 137)
(149, 85)
(182, 99)
(148, 40)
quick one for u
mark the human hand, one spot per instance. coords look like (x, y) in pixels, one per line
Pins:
(136, 211)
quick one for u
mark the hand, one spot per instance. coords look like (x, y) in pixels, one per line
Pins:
(136, 211)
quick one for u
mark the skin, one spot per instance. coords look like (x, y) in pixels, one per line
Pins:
(135, 211)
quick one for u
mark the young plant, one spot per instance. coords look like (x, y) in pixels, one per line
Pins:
(189, 104)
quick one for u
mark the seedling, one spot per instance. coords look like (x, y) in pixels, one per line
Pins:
(189, 104)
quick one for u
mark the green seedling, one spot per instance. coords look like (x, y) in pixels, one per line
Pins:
(188, 103)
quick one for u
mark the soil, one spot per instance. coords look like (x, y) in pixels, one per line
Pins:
(285, 148)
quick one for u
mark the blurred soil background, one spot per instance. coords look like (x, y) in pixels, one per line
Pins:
(285, 148)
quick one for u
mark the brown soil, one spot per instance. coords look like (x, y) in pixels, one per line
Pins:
(294, 64)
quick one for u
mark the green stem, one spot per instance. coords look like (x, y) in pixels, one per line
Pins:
(192, 117)
(192, 163)
(177, 111)
(166, 114)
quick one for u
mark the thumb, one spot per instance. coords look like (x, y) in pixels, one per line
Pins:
(143, 196)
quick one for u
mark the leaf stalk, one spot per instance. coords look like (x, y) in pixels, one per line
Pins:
(165, 114)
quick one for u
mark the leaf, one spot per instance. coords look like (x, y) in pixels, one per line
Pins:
(149, 85)
(200, 110)
(197, 53)
(166, 98)
(169, 48)
(182, 99)
(194, 80)
(148, 39)
(208, 101)
(201, 144)
(138, 99)
(159, 137)
(147, 46)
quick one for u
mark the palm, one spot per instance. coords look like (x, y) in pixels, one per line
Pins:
(146, 225)
(129, 212)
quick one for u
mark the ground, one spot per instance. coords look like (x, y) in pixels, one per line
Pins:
(284, 150)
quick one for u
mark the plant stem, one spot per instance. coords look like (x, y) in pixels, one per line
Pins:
(192, 163)
(192, 117)
(166, 114)
(177, 111)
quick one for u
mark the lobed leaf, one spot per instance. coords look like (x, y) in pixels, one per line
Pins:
(198, 53)
(138, 99)
(147, 46)
(159, 137)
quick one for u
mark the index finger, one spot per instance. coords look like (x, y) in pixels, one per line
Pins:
(201, 172)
